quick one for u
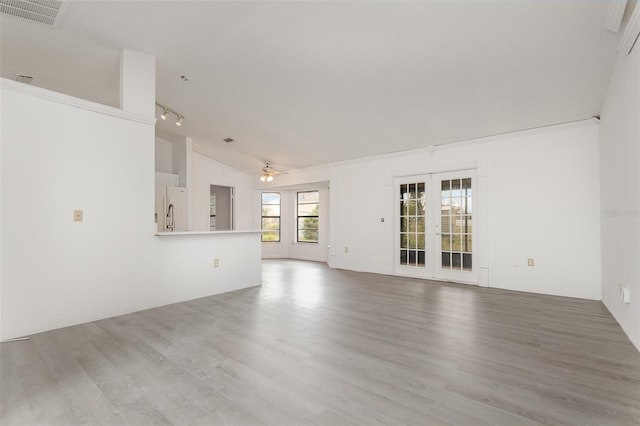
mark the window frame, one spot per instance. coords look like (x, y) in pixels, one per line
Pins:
(298, 217)
(279, 217)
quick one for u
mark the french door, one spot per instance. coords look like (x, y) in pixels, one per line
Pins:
(434, 226)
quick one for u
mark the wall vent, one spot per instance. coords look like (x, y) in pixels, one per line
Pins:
(47, 12)
(26, 79)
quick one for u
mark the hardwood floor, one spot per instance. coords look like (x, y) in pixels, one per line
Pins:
(330, 347)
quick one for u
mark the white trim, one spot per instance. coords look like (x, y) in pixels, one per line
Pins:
(296, 187)
(631, 32)
(72, 101)
(614, 15)
(432, 148)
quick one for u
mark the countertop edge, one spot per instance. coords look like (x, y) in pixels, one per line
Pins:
(183, 233)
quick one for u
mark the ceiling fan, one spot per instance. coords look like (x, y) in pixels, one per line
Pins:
(268, 173)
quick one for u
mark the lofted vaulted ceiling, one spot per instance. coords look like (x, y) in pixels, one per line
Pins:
(308, 83)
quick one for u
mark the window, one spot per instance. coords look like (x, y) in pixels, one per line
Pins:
(307, 216)
(271, 217)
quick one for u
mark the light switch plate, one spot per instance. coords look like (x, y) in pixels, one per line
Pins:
(77, 215)
(530, 261)
(626, 295)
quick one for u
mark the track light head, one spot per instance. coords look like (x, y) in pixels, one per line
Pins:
(166, 111)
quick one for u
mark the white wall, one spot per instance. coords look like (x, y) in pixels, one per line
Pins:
(164, 156)
(174, 157)
(181, 151)
(541, 201)
(137, 82)
(620, 193)
(60, 153)
(206, 172)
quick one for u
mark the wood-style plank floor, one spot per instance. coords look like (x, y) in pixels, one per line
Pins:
(330, 347)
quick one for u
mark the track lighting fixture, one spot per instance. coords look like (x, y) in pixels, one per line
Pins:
(166, 111)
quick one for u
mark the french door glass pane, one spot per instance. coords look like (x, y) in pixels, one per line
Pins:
(456, 224)
(466, 261)
(456, 263)
(412, 224)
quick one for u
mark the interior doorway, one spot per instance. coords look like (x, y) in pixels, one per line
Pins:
(221, 208)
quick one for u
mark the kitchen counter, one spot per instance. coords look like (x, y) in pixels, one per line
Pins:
(172, 234)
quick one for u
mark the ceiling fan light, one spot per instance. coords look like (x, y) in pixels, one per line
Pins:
(267, 173)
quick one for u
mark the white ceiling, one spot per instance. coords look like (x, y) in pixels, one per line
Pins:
(308, 83)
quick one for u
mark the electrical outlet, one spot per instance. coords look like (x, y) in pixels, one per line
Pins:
(77, 215)
(346, 249)
(216, 263)
(530, 261)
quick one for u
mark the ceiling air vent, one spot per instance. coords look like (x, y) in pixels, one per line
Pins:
(46, 12)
